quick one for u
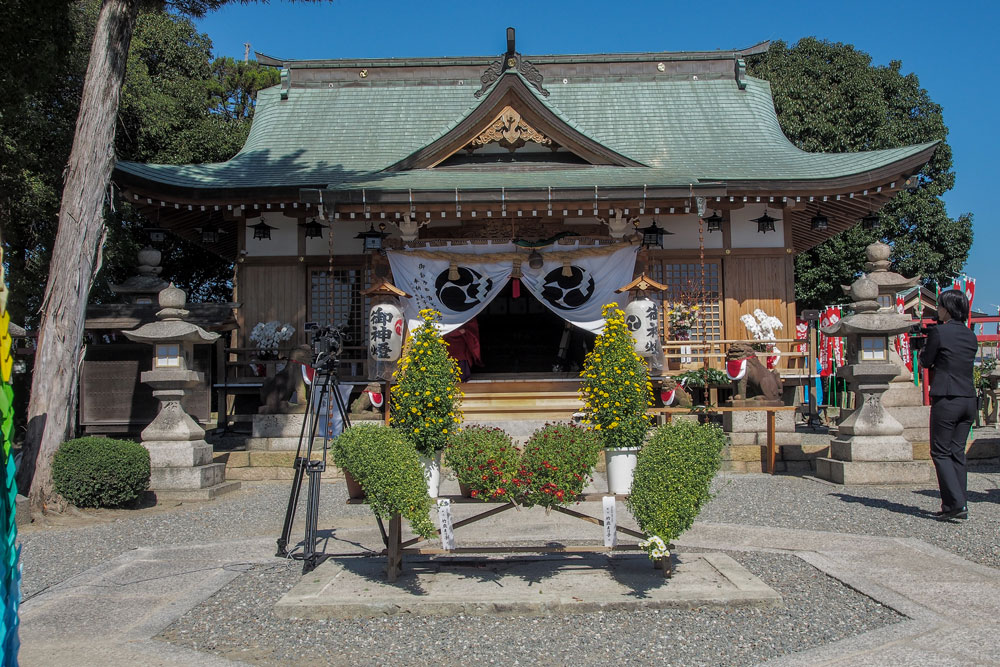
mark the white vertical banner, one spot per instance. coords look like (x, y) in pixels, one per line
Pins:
(610, 521)
(444, 523)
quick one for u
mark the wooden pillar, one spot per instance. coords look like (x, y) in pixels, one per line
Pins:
(394, 561)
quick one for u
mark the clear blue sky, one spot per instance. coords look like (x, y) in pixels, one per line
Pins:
(947, 45)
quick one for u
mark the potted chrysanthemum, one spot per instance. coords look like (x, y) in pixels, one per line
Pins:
(425, 401)
(617, 392)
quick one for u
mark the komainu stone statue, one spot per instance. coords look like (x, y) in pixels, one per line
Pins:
(369, 404)
(755, 376)
(674, 392)
(276, 392)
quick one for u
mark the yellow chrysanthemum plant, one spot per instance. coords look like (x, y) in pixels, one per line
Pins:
(425, 400)
(616, 389)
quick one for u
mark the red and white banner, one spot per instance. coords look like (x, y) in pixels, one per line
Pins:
(831, 348)
(902, 341)
(801, 333)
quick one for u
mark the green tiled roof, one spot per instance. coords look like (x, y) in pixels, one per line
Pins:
(684, 130)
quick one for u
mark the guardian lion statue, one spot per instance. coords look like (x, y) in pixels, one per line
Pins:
(681, 398)
(767, 383)
(276, 392)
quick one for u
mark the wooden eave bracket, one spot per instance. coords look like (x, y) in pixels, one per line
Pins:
(642, 283)
(385, 288)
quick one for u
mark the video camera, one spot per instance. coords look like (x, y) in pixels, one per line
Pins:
(918, 335)
(327, 344)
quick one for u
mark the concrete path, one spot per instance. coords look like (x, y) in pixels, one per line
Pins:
(109, 614)
(953, 605)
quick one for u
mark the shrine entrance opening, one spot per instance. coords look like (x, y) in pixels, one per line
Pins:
(520, 335)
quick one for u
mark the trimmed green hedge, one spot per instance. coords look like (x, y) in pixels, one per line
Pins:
(672, 477)
(100, 472)
(386, 465)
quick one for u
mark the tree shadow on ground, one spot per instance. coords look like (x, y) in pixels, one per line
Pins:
(882, 504)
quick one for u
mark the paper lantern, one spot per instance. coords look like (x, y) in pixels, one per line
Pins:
(642, 317)
(385, 327)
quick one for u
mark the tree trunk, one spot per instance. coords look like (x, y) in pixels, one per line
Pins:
(76, 253)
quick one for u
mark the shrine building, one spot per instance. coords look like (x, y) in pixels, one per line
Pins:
(512, 192)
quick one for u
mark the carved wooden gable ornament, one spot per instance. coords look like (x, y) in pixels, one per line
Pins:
(509, 130)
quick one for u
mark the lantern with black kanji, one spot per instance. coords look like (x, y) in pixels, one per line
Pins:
(642, 316)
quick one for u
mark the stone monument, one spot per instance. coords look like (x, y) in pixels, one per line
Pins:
(904, 400)
(180, 458)
(870, 447)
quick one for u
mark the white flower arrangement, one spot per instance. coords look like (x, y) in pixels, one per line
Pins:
(655, 547)
(269, 335)
(762, 327)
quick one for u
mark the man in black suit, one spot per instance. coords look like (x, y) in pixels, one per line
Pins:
(950, 351)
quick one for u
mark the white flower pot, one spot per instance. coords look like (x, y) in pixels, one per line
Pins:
(432, 473)
(621, 468)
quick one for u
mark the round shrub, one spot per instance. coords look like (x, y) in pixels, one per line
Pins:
(672, 477)
(556, 464)
(100, 472)
(486, 461)
(387, 467)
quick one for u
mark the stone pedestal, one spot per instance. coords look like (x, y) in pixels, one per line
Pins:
(905, 402)
(278, 433)
(984, 448)
(750, 428)
(870, 447)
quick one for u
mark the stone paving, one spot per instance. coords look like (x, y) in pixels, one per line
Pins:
(110, 614)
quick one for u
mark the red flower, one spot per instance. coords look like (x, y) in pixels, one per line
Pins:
(473, 493)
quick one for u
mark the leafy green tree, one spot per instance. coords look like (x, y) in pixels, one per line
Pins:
(77, 251)
(829, 97)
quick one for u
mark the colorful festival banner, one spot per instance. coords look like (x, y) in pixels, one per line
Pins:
(10, 587)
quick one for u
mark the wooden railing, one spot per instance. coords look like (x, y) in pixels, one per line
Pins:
(240, 370)
(692, 354)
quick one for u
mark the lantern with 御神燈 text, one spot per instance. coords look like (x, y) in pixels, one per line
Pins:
(385, 331)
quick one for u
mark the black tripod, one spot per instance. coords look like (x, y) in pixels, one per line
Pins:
(326, 384)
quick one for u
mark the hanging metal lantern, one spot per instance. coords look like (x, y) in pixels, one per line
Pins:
(714, 222)
(313, 229)
(210, 233)
(385, 332)
(819, 222)
(765, 223)
(652, 236)
(870, 221)
(642, 317)
(372, 239)
(262, 231)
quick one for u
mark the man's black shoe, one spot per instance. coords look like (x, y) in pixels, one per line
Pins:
(960, 513)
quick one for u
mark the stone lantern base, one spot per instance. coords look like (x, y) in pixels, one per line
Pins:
(184, 471)
(875, 472)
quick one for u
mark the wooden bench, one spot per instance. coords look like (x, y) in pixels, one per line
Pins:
(396, 548)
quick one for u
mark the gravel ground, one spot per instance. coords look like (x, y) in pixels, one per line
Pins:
(804, 503)
(238, 623)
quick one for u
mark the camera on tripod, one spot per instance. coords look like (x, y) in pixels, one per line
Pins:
(327, 344)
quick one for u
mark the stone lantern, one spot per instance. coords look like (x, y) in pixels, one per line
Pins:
(870, 447)
(181, 460)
